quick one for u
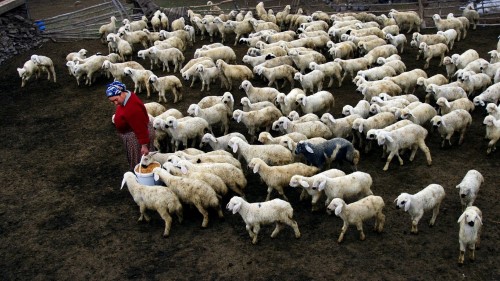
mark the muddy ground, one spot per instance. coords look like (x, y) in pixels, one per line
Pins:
(63, 215)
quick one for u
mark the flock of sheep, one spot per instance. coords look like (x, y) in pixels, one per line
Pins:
(282, 47)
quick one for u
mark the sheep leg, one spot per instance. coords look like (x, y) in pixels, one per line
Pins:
(53, 72)
(389, 159)
(427, 152)
(277, 229)
(303, 195)
(379, 222)
(204, 213)
(472, 252)
(435, 212)
(414, 149)
(143, 216)
(491, 146)
(461, 255)
(168, 221)
(250, 231)
(461, 139)
(269, 191)
(344, 229)
(359, 226)
(256, 230)
(180, 215)
(448, 138)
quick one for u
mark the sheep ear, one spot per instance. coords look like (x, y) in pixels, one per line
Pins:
(304, 101)
(309, 149)
(239, 118)
(256, 168)
(184, 169)
(461, 218)
(196, 110)
(447, 103)
(304, 183)
(174, 124)
(338, 210)
(389, 138)
(360, 129)
(290, 145)
(235, 147)
(285, 125)
(407, 205)
(321, 185)
(123, 183)
(442, 123)
(480, 220)
(236, 208)
(331, 118)
(458, 186)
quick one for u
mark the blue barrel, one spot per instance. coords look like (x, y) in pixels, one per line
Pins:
(40, 24)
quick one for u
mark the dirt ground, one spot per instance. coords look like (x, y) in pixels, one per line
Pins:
(63, 215)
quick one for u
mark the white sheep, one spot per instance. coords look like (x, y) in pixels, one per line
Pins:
(311, 80)
(403, 19)
(361, 126)
(445, 24)
(493, 110)
(117, 69)
(219, 143)
(311, 129)
(446, 106)
(233, 73)
(352, 66)
(330, 69)
(475, 82)
(307, 185)
(182, 130)
(254, 214)
(469, 234)
(362, 108)
(154, 108)
(140, 78)
(438, 79)
(320, 102)
(273, 74)
(105, 29)
(267, 138)
(45, 62)
(451, 35)
(191, 191)
(224, 53)
(253, 120)
(451, 93)
(429, 198)
(169, 55)
(30, 69)
(357, 212)
(398, 65)
(249, 106)
(278, 177)
(157, 198)
(433, 51)
(375, 73)
(138, 24)
(295, 116)
(340, 127)
(226, 99)
(123, 47)
(207, 75)
(492, 132)
(287, 102)
(216, 114)
(383, 51)
(462, 60)
(491, 94)
(471, 14)
(272, 154)
(456, 121)
(356, 184)
(256, 94)
(410, 136)
(420, 114)
(167, 83)
(469, 187)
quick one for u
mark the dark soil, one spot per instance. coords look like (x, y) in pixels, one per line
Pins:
(63, 215)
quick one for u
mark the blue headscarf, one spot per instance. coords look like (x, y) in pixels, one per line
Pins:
(115, 89)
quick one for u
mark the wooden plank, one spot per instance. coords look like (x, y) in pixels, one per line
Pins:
(8, 5)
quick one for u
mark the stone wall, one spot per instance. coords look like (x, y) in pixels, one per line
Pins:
(17, 33)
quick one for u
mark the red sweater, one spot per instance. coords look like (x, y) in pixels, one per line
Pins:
(133, 117)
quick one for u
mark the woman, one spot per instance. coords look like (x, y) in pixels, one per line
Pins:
(131, 121)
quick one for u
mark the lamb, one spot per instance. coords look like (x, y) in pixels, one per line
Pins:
(352, 66)
(267, 138)
(410, 136)
(140, 78)
(329, 69)
(182, 130)
(365, 46)
(340, 127)
(491, 94)
(167, 83)
(362, 108)
(446, 106)
(380, 51)
(396, 64)
(357, 212)
(456, 121)
(462, 60)
(172, 55)
(192, 72)
(233, 72)
(375, 73)
(224, 53)
(438, 79)
(249, 106)
(475, 82)
(311, 129)
(369, 89)
(492, 132)
(207, 75)
(45, 62)
(469, 234)
(451, 35)
(253, 120)
(30, 69)
(277, 177)
(493, 110)
(226, 99)
(336, 149)
(320, 102)
(302, 60)
(429, 39)
(307, 185)
(362, 126)
(240, 28)
(429, 198)
(255, 214)
(192, 191)
(410, 97)
(218, 113)
(465, 23)
(406, 18)
(287, 102)
(124, 48)
(117, 69)
(469, 187)
(91, 66)
(348, 186)
(82, 54)
(108, 28)
(342, 50)
(158, 198)
(420, 114)
(271, 154)
(432, 51)
(178, 24)
(295, 116)
(135, 37)
(471, 14)
(277, 73)
(219, 143)
(449, 92)
(308, 81)
(138, 24)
